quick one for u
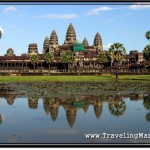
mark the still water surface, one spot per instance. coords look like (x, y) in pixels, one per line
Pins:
(59, 120)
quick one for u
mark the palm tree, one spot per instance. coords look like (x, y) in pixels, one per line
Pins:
(147, 35)
(146, 52)
(34, 59)
(102, 58)
(67, 57)
(49, 57)
(0, 34)
(116, 53)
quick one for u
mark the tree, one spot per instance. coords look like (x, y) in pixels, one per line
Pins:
(147, 35)
(102, 58)
(34, 59)
(67, 57)
(146, 52)
(49, 57)
(0, 34)
(116, 54)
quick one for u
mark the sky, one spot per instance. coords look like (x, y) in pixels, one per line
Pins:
(25, 24)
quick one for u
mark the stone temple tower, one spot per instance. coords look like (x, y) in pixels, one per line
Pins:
(33, 48)
(46, 45)
(50, 44)
(70, 35)
(85, 42)
(98, 42)
(53, 42)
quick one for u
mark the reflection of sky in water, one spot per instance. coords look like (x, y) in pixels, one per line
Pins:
(22, 124)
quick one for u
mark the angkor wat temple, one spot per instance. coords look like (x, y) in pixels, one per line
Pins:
(83, 59)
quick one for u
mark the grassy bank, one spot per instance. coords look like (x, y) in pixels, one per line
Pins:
(92, 78)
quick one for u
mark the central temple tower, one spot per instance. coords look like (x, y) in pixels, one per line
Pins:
(70, 35)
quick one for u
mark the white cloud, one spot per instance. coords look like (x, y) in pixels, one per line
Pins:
(10, 8)
(107, 46)
(97, 11)
(139, 5)
(57, 16)
(111, 20)
(18, 52)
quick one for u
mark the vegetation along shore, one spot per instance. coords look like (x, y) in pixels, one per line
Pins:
(74, 85)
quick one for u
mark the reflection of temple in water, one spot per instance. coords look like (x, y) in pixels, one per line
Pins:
(98, 105)
(85, 107)
(33, 102)
(71, 115)
(52, 105)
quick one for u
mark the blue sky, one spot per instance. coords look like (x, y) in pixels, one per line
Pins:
(25, 24)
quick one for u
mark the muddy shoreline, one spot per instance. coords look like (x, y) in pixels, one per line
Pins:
(73, 88)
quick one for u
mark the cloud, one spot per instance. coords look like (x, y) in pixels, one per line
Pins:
(57, 16)
(107, 46)
(111, 20)
(137, 6)
(18, 52)
(97, 11)
(10, 8)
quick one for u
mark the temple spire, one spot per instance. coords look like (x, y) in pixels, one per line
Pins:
(98, 42)
(85, 42)
(45, 44)
(70, 35)
(53, 38)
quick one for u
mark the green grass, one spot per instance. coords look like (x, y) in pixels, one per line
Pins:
(90, 78)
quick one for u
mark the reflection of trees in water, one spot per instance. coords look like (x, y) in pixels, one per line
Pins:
(1, 119)
(117, 106)
(147, 116)
(10, 99)
(33, 102)
(146, 103)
